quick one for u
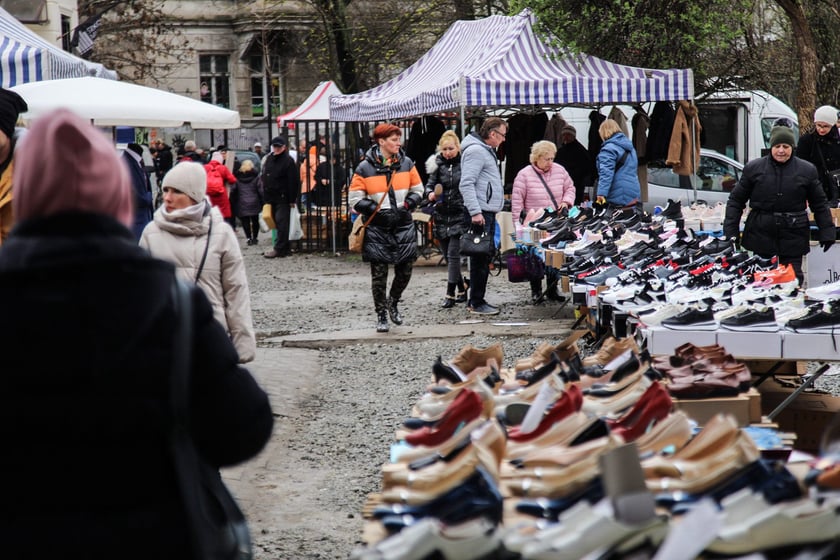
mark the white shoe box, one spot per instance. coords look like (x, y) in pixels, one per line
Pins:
(759, 345)
(662, 341)
(801, 346)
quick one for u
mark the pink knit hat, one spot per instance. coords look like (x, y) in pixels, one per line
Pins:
(64, 164)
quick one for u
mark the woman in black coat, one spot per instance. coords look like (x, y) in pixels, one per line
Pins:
(780, 188)
(248, 194)
(822, 148)
(442, 189)
(87, 344)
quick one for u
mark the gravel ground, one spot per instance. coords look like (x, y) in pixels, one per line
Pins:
(333, 434)
(336, 433)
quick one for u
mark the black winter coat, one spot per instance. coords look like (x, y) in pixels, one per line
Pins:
(281, 179)
(777, 193)
(448, 214)
(824, 153)
(86, 339)
(247, 193)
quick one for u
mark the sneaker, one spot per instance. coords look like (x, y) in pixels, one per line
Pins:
(752, 320)
(692, 319)
(824, 292)
(665, 311)
(825, 319)
(483, 308)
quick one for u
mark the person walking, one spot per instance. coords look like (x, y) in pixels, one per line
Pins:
(543, 184)
(218, 177)
(822, 148)
(483, 193)
(248, 192)
(387, 179)
(132, 158)
(444, 171)
(618, 181)
(190, 233)
(281, 187)
(90, 451)
(778, 186)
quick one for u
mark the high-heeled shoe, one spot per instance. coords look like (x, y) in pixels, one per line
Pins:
(654, 405)
(466, 406)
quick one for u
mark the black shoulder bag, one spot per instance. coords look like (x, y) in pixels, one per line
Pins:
(206, 248)
(218, 529)
(833, 175)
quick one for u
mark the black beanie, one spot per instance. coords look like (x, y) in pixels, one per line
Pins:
(11, 106)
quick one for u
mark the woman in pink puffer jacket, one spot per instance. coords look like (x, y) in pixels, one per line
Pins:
(532, 186)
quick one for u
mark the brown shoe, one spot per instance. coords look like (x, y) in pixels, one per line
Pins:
(611, 349)
(471, 357)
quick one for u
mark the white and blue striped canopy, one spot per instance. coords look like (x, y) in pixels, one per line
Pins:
(500, 62)
(26, 57)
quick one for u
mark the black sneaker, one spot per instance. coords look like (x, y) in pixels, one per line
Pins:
(692, 320)
(753, 321)
(817, 321)
(672, 210)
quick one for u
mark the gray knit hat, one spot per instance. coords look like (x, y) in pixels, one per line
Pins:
(188, 177)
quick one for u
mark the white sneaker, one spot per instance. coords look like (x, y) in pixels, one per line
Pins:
(664, 311)
(824, 292)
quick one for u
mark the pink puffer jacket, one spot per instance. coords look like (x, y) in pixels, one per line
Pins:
(530, 194)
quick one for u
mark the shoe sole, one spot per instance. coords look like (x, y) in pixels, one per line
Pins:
(705, 326)
(758, 327)
(473, 311)
(818, 330)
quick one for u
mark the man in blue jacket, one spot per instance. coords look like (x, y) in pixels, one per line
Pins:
(142, 187)
(483, 193)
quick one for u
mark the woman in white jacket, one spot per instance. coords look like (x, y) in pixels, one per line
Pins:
(190, 233)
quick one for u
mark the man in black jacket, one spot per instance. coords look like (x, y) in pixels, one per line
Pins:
(778, 186)
(281, 184)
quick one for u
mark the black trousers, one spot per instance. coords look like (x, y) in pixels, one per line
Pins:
(282, 218)
(251, 226)
(480, 266)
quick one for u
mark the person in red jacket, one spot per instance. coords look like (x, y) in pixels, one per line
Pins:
(217, 176)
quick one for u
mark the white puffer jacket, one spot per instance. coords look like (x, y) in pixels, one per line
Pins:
(182, 242)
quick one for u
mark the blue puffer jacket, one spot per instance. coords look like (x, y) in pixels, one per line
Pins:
(620, 187)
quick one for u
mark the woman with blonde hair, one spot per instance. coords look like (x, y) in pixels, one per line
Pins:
(543, 184)
(442, 188)
(248, 194)
(618, 183)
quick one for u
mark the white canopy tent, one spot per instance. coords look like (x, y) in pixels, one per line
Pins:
(316, 107)
(26, 57)
(115, 103)
(516, 69)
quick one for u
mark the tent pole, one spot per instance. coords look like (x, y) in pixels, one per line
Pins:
(694, 162)
(462, 86)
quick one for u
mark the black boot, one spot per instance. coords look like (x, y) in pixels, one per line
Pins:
(396, 318)
(449, 300)
(382, 322)
(463, 285)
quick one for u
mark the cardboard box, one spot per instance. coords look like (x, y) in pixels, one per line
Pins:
(751, 344)
(807, 415)
(703, 410)
(796, 346)
(564, 284)
(662, 341)
(755, 405)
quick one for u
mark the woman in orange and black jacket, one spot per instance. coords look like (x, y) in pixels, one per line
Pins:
(387, 175)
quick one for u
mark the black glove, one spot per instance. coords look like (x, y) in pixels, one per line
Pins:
(411, 201)
(826, 245)
(365, 206)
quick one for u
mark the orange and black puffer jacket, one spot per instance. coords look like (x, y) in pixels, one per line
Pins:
(390, 237)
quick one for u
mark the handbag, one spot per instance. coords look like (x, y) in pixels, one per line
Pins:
(268, 217)
(218, 529)
(295, 229)
(356, 241)
(517, 266)
(477, 243)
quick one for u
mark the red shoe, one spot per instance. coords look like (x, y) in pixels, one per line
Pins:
(466, 407)
(654, 405)
(569, 402)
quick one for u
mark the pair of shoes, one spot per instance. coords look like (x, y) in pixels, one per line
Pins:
(394, 312)
(470, 540)
(382, 322)
(448, 302)
(254, 241)
(483, 308)
(249, 242)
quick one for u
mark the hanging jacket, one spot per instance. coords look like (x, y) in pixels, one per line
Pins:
(680, 156)
(448, 212)
(390, 238)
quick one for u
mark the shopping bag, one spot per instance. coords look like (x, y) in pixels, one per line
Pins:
(357, 235)
(295, 229)
(268, 216)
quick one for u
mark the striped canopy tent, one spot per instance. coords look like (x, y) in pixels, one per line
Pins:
(500, 61)
(26, 57)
